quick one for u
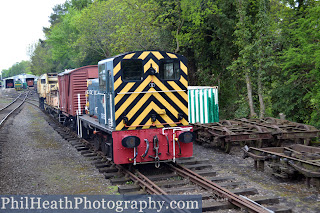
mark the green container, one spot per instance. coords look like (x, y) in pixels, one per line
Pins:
(203, 104)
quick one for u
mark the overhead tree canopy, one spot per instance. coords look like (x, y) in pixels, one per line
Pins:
(263, 54)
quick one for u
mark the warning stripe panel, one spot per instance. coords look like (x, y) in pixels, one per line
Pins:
(139, 101)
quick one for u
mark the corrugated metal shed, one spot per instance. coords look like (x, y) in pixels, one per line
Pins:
(72, 83)
(203, 104)
(25, 78)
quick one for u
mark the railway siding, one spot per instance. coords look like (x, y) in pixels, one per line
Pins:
(172, 182)
(228, 172)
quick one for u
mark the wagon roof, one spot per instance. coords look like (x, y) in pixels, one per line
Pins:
(67, 72)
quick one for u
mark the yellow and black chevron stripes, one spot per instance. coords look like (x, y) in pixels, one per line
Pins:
(139, 101)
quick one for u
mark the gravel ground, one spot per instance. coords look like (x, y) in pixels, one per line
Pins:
(293, 193)
(23, 169)
(38, 161)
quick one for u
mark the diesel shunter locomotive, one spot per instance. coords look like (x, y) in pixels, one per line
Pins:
(141, 108)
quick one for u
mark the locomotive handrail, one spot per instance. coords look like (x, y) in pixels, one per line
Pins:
(154, 124)
(127, 93)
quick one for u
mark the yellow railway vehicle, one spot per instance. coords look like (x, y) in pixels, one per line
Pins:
(47, 88)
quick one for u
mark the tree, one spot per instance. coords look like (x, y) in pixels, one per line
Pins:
(16, 69)
(301, 67)
(243, 40)
(263, 56)
(41, 59)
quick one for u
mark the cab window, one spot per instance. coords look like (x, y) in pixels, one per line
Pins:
(132, 70)
(169, 69)
(102, 77)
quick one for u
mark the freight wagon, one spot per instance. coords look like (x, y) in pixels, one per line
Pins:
(72, 92)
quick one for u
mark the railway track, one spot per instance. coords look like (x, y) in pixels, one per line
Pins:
(7, 111)
(12, 107)
(187, 176)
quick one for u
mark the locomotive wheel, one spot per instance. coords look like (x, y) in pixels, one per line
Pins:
(104, 148)
(85, 134)
(96, 142)
(73, 125)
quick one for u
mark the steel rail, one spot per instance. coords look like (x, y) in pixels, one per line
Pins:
(217, 190)
(142, 180)
(151, 188)
(148, 185)
(11, 103)
(5, 118)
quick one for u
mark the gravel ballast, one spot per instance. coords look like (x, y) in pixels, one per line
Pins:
(293, 193)
(36, 160)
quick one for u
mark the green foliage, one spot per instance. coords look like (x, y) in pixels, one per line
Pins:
(300, 65)
(41, 59)
(16, 69)
(275, 43)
